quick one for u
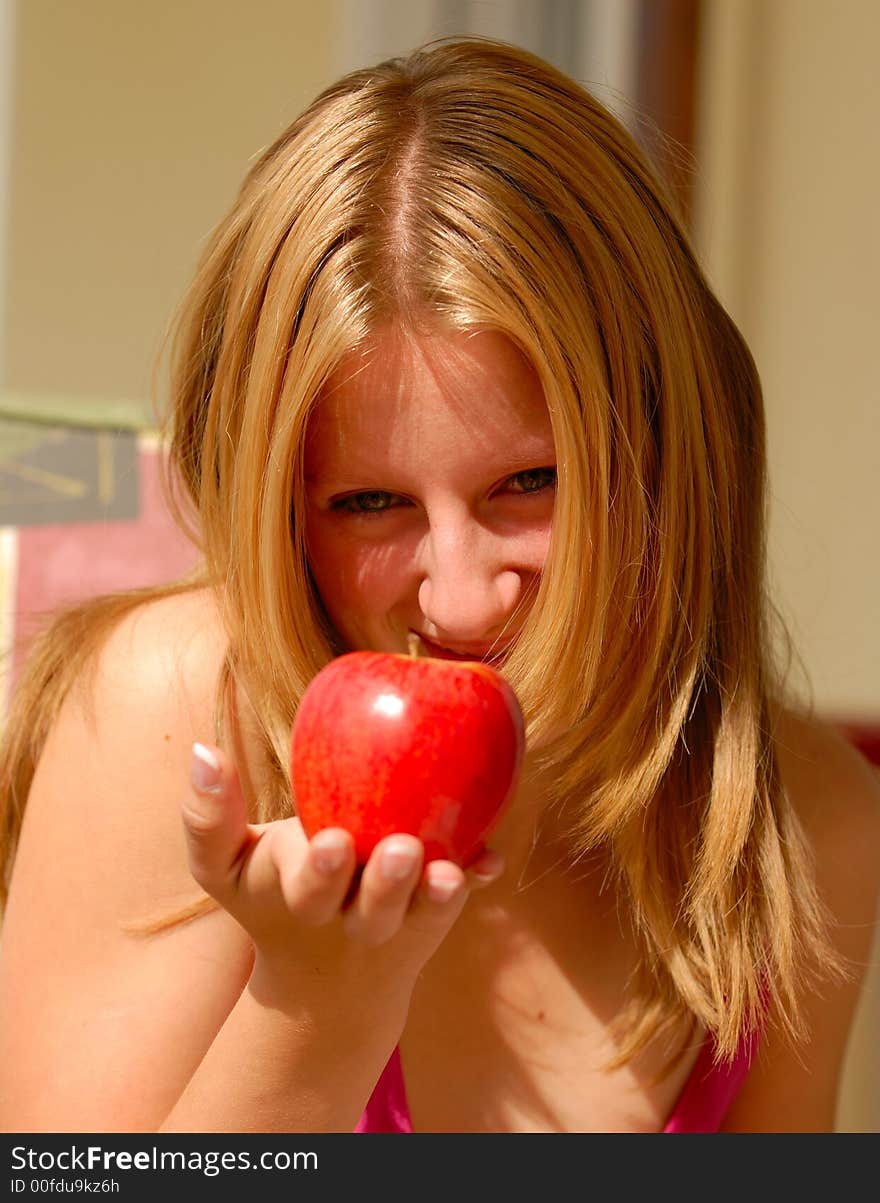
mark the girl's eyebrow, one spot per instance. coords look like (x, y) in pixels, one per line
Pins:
(540, 458)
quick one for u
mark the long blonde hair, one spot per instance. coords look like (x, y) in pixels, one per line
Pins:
(472, 185)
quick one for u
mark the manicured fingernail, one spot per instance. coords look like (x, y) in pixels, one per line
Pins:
(398, 861)
(329, 851)
(442, 888)
(205, 772)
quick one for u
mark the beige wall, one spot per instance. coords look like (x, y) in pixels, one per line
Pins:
(787, 222)
(132, 127)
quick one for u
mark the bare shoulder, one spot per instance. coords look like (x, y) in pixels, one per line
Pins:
(129, 728)
(165, 649)
(835, 793)
(116, 1019)
(162, 663)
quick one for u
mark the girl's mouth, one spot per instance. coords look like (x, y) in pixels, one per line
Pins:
(488, 654)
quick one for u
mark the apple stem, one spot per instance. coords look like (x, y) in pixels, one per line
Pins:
(414, 644)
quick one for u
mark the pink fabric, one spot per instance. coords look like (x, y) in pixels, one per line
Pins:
(701, 1106)
(387, 1109)
(711, 1089)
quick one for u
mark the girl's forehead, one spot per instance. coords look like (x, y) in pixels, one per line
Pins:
(395, 393)
(456, 364)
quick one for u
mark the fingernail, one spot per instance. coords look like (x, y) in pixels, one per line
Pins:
(441, 889)
(204, 772)
(329, 851)
(398, 861)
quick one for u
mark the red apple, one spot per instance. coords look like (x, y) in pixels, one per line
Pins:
(387, 743)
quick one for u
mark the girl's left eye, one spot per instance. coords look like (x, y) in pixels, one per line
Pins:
(365, 503)
(533, 480)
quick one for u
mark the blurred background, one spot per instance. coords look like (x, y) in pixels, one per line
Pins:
(126, 128)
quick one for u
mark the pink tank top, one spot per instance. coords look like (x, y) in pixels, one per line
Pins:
(701, 1106)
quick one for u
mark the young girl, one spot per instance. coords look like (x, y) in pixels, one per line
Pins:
(448, 369)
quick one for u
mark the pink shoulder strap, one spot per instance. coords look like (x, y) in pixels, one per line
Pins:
(711, 1088)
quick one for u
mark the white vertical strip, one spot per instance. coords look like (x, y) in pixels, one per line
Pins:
(8, 590)
(607, 54)
(8, 534)
(7, 59)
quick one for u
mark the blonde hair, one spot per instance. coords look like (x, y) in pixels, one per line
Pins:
(472, 185)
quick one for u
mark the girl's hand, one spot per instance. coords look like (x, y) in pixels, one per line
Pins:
(316, 924)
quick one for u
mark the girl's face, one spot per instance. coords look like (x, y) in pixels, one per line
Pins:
(430, 474)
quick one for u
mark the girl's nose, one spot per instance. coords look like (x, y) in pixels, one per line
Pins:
(469, 588)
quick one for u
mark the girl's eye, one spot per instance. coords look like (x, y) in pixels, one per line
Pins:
(533, 480)
(365, 503)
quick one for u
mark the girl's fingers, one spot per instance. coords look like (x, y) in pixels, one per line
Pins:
(445, 888)
(394, 892)
(389, 878)
(243, 866)
(316, 883)
(442, 892)
(215, 820)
